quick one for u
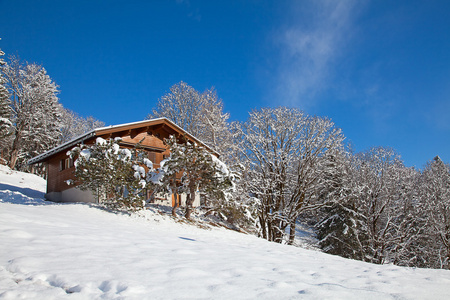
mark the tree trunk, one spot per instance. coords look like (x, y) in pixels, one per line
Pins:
(190, 201)
(277, 234)
(291, 233)
(15, 150)
(175, 205)
(175, 195)
(269, 231)
(263, 225)
(13, 158)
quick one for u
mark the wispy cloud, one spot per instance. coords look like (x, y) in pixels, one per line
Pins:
(315, 35)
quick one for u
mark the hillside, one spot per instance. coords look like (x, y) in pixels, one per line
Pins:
(78, 251)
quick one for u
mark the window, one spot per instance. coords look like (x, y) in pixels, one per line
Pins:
(66, 164)
(69, 163)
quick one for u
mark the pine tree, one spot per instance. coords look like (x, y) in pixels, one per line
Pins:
(45, 133)
(341, 231)
(111, 174)
(199, 170)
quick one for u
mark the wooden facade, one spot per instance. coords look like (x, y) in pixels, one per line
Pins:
(149, 134)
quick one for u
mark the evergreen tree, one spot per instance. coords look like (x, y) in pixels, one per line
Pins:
(340, 232)
(199, 170)
(201, 114)
(111, 174)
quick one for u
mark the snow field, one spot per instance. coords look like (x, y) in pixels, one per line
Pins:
(77, 251)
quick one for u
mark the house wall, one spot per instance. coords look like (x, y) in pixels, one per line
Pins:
(71, 195)
(57, 178)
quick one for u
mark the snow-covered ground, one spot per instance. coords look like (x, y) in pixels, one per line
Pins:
(77, 251)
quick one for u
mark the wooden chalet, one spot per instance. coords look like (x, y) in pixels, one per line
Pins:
(150, 134)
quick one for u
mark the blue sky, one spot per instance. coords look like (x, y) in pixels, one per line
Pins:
(379, 69)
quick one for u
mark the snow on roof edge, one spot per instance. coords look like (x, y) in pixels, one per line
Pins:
(128, 124)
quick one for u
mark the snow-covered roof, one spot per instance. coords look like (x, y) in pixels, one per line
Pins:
(113, 128)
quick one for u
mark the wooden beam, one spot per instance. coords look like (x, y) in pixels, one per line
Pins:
(145, 147)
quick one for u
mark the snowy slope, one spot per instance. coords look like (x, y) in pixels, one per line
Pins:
(77, 251)
(15, 185)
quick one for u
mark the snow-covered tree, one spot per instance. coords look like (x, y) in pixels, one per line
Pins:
(340, 230)
(111, 173)
(435, 198)
(285, 155)
(385, 185)
(409, 223)
(374, 215)
(182, 105)
(200, 171)
(35, 111)
(217, 131)
(200, 114)
(5, 108)
(73, 125)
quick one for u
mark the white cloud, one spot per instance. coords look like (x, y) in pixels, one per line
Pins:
(309, 45)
